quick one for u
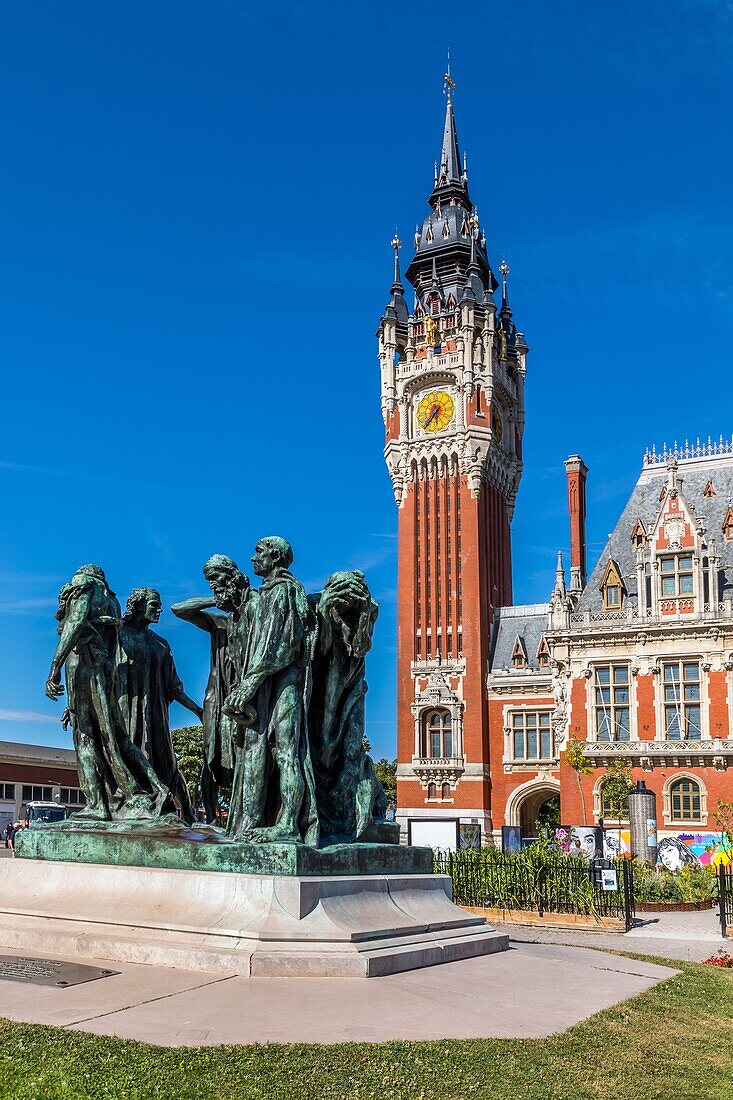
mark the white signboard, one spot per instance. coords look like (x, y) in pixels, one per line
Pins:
(609, 879)
(434, 834)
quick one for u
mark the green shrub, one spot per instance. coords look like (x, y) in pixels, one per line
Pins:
(690, 884)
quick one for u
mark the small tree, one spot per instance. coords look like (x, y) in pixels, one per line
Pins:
(386, 772)
(188, 745)
(576, 759)
(617, 786)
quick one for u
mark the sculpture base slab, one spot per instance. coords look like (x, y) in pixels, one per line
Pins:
(174, 846)
(231, 923)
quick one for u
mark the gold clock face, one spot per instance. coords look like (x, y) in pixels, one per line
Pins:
(435, 411)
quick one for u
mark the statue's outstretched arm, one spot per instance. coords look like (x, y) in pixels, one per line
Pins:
(187, 702)
(196, 611)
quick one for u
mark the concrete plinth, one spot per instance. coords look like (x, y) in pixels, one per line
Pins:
(233, 923)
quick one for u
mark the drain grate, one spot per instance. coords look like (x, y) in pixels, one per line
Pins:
(21, 968)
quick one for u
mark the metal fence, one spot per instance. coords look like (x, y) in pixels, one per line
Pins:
(547, 883)
(725, 895)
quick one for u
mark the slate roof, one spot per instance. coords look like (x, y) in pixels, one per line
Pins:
(692, 476)
(529, 622)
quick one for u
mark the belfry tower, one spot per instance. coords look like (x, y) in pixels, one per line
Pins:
(452, 387)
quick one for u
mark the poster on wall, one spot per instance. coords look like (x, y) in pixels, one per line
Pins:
(583, 840)
(469, 836)
(511, 839)
(616, 843)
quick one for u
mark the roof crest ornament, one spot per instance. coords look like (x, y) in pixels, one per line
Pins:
(689, 451)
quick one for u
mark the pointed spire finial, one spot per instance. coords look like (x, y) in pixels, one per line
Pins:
(449, 85)
(504, 271)
(396, 243)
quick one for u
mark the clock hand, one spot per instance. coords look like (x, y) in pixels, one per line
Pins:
(434, 413)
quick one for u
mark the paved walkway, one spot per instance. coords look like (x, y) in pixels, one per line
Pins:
(691, 936)
(530, 991)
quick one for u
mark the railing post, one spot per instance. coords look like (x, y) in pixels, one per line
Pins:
(541, 874)
(722, 892)
(628, 880)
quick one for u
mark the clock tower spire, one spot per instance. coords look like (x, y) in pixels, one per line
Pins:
(452, 392)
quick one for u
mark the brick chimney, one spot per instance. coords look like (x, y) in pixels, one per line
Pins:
(577, 472)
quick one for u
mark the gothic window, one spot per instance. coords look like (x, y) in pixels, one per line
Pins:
(612, 703)
(609, 810)
(543, 653)
(531, 734)
(684, 800)
(612, 587)
(438, 735)
(681, 685)
(445, 791)
(676, 575)
(432, 790)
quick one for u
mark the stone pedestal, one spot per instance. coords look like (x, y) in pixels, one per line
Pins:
(229, 922)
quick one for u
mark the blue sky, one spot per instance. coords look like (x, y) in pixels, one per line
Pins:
(196, 206)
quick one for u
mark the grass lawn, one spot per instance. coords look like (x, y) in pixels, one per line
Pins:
(673, 1042)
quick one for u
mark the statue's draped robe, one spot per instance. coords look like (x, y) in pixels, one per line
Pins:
(146, 685)
(349, 792)
(276, 681)
(228, 646)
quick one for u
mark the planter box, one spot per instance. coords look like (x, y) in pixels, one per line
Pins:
(673, 906)
(530, 918)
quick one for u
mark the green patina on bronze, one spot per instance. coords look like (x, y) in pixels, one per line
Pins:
(179, 847)
(283, 725)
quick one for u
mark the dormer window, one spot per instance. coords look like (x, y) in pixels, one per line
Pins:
(638, 535)
(612, 587)
(676, 575)
(709, 491)
(519, 654)
(543, 653)
(728, 524)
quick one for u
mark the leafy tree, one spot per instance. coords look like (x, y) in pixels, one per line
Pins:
(576, 759)
(387, 775)
(617, 785)
(386, 772)
(188, 745)
(548, 818)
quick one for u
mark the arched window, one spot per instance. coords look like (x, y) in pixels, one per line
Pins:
(438, 735)
(610, 807)
(684, 800)
(432, 790)
(445, 791)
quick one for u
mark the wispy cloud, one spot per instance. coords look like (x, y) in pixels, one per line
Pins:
(83, 475)
(26, 716)
(31, 606)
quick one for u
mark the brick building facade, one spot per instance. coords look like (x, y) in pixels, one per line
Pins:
(635, 663)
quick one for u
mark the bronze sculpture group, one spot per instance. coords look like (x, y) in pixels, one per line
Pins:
(283, 713)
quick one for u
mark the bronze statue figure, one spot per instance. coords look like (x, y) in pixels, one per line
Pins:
(273, 793)
(229, 632)
(348, 792)
(146, 684)
(117, 780)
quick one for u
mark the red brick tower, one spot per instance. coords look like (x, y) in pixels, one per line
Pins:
(452, 374)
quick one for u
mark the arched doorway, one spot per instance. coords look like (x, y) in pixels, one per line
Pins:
(533, 801)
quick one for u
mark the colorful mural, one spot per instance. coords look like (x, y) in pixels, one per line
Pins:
(707, 847)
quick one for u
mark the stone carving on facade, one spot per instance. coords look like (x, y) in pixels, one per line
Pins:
(438, 695)
(560, 716)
